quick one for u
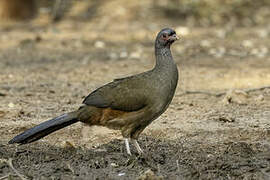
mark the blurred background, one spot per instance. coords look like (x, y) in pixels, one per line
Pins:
(230, 37)
(193, 13)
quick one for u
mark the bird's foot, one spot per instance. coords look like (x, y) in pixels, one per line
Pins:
(127, 146)
(139, 149)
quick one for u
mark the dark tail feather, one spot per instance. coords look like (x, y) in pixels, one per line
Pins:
(45, 128)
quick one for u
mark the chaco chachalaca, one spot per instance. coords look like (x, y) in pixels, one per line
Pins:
(127, 104)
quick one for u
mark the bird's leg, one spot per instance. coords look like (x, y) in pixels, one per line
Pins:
(140, 151)
(127, 146)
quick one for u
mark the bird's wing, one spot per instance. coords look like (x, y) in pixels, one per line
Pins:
(126, 94)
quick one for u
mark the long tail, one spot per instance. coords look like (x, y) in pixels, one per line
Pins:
(45, 128)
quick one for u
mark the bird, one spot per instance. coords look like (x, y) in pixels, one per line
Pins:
(127, 104)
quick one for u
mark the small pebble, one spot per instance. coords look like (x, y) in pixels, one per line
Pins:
(221, 33)
(205, 43)
(113, 56)
(2, 113)
(114, 165)
(11, 105)
(123, 54)
(68, 145)
(260, 98)
(135, 55)
(121, 174)
(247, 43)
(99, 44)
(222, 50)
(263, 33)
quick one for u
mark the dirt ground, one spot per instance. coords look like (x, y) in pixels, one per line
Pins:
(217, 126)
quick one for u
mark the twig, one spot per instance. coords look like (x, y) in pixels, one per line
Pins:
(8, 176)
(203, 92)
(224, 92)
(9, 162)
(4, 177)
(265, 173)
(177, 164)
(70, 168)
(256, 89)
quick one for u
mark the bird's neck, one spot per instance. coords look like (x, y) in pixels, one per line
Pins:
(164, 58)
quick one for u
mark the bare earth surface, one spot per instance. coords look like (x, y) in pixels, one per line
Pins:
(48, 70)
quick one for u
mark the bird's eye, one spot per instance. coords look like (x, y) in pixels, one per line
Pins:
(164, 35)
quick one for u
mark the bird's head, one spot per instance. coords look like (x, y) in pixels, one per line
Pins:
(166, 37)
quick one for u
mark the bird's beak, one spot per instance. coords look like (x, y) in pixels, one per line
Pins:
(174, 37)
